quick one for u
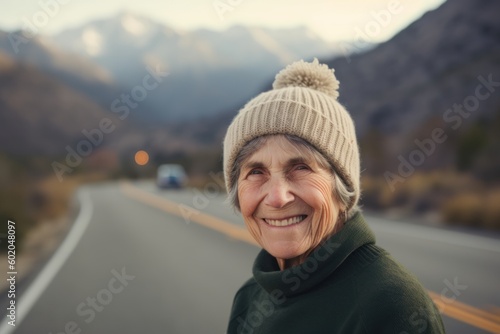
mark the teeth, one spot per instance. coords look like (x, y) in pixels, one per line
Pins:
(286, 222)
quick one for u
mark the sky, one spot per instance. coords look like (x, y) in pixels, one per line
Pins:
(339, 20)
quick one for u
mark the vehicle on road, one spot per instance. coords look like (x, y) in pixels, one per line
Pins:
(171, 176)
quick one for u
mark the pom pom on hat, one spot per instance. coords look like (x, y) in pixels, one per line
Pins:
(310, 75)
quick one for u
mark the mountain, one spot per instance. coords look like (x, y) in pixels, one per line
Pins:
(437, 58)
(255, 47)
(75, 71)
(404, 89)
(129, 39)
(208, 70)
(40, 116)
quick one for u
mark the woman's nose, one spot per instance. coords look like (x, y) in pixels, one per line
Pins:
(278, 193)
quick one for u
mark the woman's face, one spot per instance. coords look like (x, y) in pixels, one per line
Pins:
(286, 199)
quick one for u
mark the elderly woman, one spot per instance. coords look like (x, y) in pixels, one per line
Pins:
(291, 165)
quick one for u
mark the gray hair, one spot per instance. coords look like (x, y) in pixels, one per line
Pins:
(340, 190)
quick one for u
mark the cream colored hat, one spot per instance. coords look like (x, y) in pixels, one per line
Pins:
(303, 102)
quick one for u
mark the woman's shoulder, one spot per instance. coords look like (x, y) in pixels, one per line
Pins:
(246, 291)
(242, 300)
(387, 274)
(250, 284)
(389, 290)
(380, 274)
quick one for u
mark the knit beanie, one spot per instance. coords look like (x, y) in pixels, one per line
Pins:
(303, 103)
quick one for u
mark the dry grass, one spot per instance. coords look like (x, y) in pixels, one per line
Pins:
(32, 203)
(215, 181)
(50, 199)
(474, 209)
(457, 198)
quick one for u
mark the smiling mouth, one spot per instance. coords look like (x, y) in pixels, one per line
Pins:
(285, 222)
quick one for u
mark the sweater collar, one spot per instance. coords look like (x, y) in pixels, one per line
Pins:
(320, 264)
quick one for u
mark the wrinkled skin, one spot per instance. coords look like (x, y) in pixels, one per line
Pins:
(280, 181)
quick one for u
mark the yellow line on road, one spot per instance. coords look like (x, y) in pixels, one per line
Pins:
(465, 313)
(188, 213)
(452, 308)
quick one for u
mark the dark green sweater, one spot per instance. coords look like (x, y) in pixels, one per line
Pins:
(348, 285)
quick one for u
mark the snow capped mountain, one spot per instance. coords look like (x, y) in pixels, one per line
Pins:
(209, 71)
(98, 37)
(237, 46)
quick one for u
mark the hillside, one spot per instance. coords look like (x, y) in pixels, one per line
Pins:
(41, 116)
(77, 72)
(406, 88)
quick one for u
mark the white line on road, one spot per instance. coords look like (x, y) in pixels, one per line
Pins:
(434, 234)
(35, 290)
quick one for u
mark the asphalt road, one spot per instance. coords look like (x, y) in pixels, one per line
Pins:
(137, 260)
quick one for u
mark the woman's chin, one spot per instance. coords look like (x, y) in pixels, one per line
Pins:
(284, 250)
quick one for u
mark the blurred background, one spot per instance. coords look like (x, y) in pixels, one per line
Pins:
(402, 68)
(106, 91)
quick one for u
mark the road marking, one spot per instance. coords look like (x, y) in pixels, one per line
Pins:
(196, 216)
(465, 313)
(453, 309)
(38, 286)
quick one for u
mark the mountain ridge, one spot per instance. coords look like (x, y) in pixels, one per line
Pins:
(195, 59)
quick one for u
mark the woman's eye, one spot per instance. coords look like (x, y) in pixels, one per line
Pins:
(302, 167)
(255, 172)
